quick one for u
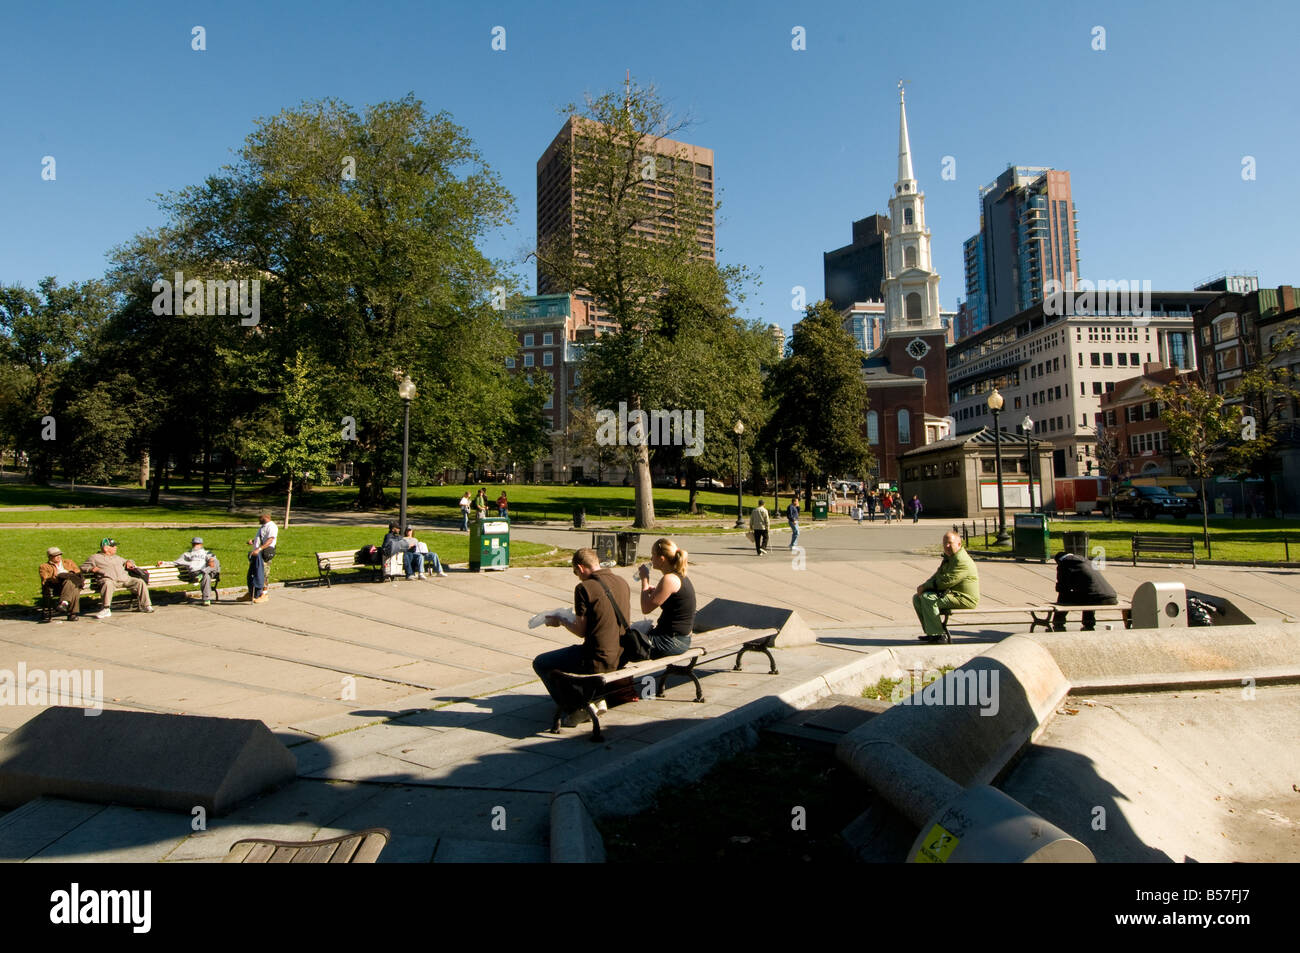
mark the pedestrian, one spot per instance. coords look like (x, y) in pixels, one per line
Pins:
(871, 506)
(503, 505)
(761, 525)
(898, 505)
(111, 572)
(954, 585)
(916, 508)
(200, 564)
(792, 517)
(464, 512)
(675, 594)
(480, 502)
(61, 581)
(263, 552)
(602, 604)
(887, 506)
(1079, 583)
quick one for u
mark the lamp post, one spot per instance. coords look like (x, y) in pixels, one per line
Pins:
(738, 430)
(406, 391)
(776, 479)
(995, 402)
(1028, 425)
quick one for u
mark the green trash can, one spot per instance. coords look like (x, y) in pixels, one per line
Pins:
(1031, 537)
(1075, 542)
(489, 543)
(820, 509)
(627, 546)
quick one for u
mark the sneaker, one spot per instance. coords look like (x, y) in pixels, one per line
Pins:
(103, 613)
(441, 574)
(73, 618)
(63, 605)
(601, 706)
(262, 598)
(419, 575)
(146, 608)
(206, 602)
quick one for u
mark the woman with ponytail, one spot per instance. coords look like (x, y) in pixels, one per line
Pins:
(675, 594)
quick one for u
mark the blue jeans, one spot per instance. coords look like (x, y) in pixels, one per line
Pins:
(256, 574)
(414, 562)
(464, 521)
(668, 644)
(794, 540)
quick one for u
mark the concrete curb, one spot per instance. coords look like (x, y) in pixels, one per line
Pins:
(629, 786)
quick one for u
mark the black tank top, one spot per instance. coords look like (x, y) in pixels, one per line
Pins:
(677, 615)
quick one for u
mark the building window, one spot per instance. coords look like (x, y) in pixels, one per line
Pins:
(1123, 359)
(1133, 359)
(918, 372)
(528, 340)
(873, 427)
(550, 402)
(510, 362)
(1107, 359)
(907, 216)
(909, 257)
(1095, 359)
(1083, 389)
(548, 339)
(1096, 388)
(904, 426)
(528, 360)
(914, 308)
(548, 358)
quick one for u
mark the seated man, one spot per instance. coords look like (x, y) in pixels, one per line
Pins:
(393, 548)
(954, 585)
(415, 554)
(61, 581)
(110, 573)
(200, 564)
(1079, 584)
(599, 599)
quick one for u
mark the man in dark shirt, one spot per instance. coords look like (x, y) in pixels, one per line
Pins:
(1078, 583)
(597, 625)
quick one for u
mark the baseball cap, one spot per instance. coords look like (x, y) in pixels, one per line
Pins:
(197, 540)
(108, 541)
(54, 551)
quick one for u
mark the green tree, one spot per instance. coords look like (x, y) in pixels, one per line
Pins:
(820, 400)
(304, 443)
(1108, 460)
(363, 230)
(1200, 424)
(1268, 391)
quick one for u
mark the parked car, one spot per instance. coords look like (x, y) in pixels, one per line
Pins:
(1147, 502)
(709, 483)
(847, 486)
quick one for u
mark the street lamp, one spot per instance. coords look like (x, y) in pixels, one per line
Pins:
(1028, 425)
(406, 391)
(995, 406)
(738, 430)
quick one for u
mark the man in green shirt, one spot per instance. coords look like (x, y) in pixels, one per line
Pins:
(954, 585)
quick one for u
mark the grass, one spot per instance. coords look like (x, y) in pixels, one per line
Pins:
(1237, 540)
(21, 550)
(884, 689)
(744, 811)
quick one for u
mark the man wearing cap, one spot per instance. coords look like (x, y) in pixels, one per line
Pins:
(201, 564)
(62, 581)
(110, 573)
(263, 551)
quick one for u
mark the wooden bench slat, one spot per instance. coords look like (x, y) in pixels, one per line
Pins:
(348, 847)
(370, 849)
(239, 852)
(260, 854)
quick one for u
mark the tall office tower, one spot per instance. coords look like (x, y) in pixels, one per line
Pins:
(1028, 236)
(557, 174)
(853, 273)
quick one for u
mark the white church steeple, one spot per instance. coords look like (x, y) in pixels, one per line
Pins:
(910, 286)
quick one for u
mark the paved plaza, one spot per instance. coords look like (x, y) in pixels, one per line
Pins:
(413, 705)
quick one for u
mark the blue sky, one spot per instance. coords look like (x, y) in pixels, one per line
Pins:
(1153, 129)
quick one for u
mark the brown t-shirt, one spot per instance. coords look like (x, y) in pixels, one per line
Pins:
(601, 646)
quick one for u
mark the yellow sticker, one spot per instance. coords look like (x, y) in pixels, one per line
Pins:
(937, 846)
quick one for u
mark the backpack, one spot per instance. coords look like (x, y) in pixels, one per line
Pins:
(370, 556)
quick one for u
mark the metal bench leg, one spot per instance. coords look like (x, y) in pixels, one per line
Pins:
(662, 683)
(689, 672)
(555, 722)
(756, 647)
(596, 734)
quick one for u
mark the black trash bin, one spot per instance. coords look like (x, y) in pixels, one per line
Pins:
(579, 517)
(1076, 543)
(627, 544)
(606, 547)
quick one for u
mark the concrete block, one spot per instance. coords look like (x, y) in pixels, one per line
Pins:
(171, 762)
(720, 613)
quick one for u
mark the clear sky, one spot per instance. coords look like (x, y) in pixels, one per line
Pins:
(1154, 128)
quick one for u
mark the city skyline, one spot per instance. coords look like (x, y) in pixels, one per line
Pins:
(1160, 149)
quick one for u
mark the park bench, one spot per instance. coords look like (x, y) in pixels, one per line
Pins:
(705, 647)
(160, 577)
(1163, 543)
(1037, 615)
(341, 560)
(363, 847)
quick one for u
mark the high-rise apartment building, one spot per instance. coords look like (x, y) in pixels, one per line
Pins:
(854, 273)
(1028, 236)
(557, 176)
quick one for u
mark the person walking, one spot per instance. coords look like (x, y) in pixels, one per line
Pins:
(887, 506)
(792, 517)
(761, 525)
(480, 502)
(871, 506)
(916, 508)
(464, 512)
(503, 505)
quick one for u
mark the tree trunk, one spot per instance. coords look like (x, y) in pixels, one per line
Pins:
(144, 468)
(156, 484)
(1205, 518)
(645, 500)
(207, 467)
(287, 501)
(230, 507)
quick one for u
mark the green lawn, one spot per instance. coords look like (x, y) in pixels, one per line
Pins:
(1230, 540)
(21, 550)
